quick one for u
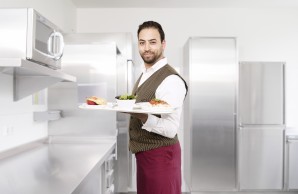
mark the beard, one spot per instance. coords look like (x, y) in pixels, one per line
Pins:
(150, 57)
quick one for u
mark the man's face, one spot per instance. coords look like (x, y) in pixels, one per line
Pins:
(150, 46)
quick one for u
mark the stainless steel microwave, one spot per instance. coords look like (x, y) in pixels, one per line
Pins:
(26, 34)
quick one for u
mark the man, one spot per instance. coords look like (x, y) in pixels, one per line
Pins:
(153, 138)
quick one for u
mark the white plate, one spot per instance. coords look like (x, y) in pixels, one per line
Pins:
(148, 106)
(137, 108)
(108, 105)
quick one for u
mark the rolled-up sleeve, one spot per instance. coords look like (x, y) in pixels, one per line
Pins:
(172, 90)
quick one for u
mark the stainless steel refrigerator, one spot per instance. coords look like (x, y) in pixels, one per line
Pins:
(102, 63)
(233, 119)
(210, 109)
(261, 125)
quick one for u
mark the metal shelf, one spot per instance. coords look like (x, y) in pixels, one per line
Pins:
(30, 77)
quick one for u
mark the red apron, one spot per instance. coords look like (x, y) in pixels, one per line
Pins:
(159, 170)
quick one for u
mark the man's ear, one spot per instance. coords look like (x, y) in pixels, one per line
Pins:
(163, 43)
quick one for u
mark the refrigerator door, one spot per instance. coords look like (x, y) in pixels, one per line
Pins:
(261, 157)
(124, 158)
(210, 112)
(261, 93)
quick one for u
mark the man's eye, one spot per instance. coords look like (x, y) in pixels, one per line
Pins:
(141, 43)
(152, 42)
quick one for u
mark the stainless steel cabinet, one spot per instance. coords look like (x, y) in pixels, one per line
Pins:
(261, 158)
(92, 184)
(100, 180)
(109, 186)
(292, 162)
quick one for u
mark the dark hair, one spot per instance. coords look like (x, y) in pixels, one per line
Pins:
(152, 24)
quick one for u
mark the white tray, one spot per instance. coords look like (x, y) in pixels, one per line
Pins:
(136, 109)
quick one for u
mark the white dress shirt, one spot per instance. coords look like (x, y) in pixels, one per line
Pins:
(172, 90)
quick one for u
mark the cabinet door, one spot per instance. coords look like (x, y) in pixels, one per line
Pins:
(293, 164)
(261, 158)
(261, 93)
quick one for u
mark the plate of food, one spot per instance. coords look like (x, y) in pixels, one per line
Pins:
(152, 107)
(126, 101)
(94, 100)
(157, 105)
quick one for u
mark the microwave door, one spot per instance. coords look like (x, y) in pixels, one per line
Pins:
(44, 38)
(47, 42)
(41, 37)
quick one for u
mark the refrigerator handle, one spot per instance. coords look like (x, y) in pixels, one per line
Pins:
(237, 122)
(129, 74)
(240, 124)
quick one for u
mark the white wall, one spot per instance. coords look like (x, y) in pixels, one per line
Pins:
(263, 34)
(60, 12)
(17, 126)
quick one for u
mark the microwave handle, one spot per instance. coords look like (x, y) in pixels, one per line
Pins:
(53, 55)
(50, 45)
(61, 45)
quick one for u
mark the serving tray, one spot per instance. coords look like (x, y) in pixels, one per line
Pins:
(136, 109)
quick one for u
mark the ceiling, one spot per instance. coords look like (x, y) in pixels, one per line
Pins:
(184, 3)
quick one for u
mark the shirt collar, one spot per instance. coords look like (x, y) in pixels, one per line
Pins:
(159, 64)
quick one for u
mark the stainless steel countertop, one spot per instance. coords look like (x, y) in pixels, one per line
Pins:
(51, 168)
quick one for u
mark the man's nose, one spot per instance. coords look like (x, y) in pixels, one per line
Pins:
(147, 46)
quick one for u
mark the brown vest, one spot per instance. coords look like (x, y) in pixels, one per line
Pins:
(140, 139)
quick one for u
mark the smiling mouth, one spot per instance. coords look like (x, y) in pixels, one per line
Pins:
(148, 54)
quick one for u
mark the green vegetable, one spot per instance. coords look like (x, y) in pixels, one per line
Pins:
(127, 97)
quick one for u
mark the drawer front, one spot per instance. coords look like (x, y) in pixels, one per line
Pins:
(110, 178)
(110, 190)
(109, 163)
